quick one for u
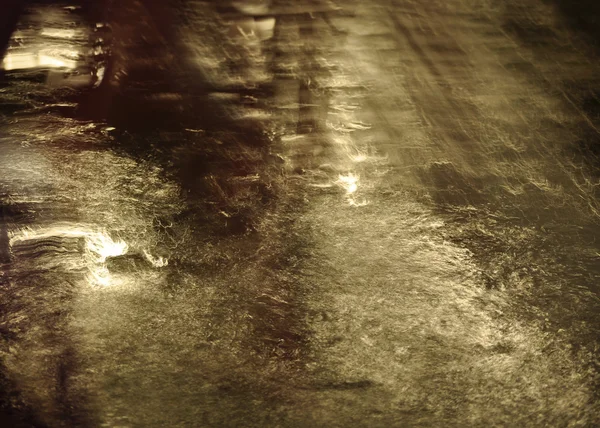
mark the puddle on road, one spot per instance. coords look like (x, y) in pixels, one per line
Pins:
(308, 287)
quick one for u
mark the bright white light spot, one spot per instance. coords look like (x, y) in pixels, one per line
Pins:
(98, 247)
(348, 182)
(19, 61)
(102, 246)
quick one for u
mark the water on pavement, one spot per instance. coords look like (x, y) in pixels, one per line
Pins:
(296, 214)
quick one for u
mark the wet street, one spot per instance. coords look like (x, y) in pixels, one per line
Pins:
(300, 213)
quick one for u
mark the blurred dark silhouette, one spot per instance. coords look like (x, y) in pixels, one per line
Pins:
(583, 16)
(10, 11)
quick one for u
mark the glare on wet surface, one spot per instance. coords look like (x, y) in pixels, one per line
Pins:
(41, 58)
(44, 44)
(381, 235)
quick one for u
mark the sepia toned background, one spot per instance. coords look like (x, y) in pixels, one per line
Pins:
(301, 213)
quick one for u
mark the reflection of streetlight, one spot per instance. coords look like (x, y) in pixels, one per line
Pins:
(48, 61)
(100, 275)
(99, 246)
(59, 33)
(102, 246)
(348, 182)
(48, 48)
(25, 60)
(359, 157)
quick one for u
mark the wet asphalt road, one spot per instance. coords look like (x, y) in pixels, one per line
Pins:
(308, 214)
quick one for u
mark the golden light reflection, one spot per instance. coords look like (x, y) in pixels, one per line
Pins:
(60, 33)
(102, 246)
(359, 157)
(28, 60)
(45, 48)
(100, 276)
(349, 182)
(99, 246)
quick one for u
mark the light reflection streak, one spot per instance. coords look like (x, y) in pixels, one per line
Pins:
(358, 157)
(99, 76)
(60, 33)
(99, 246)
(349, 182)
(27, 60)
(251, 8)
(102, 246)
(100, 276)
(48, 48)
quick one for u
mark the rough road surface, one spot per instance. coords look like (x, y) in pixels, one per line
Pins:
(300, 214)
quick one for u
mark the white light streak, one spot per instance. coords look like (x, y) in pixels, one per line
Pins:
(98, 247)
(349, 182)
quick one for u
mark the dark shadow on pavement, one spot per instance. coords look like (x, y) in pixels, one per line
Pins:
(583, 16)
